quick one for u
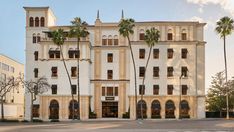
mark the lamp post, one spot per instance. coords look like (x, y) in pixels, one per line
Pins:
(180, 86)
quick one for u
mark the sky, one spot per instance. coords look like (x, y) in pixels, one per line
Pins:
(12, 22)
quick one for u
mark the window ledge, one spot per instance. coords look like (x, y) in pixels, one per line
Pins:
(170, 77)
(156, 77)
(54, 77)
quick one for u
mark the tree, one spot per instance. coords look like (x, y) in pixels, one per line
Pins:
(126, 29)
(224, 28)
(6, 85)
(35, 87)
(78, 30)
(151, 38)
(58, 37)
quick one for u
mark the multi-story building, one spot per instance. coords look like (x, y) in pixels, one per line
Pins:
(14, 99)
(106, 70)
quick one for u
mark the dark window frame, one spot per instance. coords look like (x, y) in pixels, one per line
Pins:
(170, 89)
(141, 53)
(155, 89)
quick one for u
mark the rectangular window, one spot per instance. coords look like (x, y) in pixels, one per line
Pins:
(169, 36)
(51, 54)
(34, 39)
(184, 53)
(38, 39)
(170, 71)
(116, 91)
(170, 53)
(156, 53)
(156, 72)
(5, 67)
(116, 42)
(184, 36)
(54, 71)
(36, 72)
(109, 57)
(141, 53)
(54, 89)
(142, 36)
(73, 54)
(35, 110)
(104, 41)
(141, 89)
(73, 71)
(184, 71)
(57, 54)
(110, 42)
(36, 55)
(170, 89)
(141, 71)
(110, 91)
(103, 91)
(74, 89)
(156, 89)
(184, 89)
(109, 74)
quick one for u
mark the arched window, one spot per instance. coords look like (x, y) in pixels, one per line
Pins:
(141, 104)
(170, 109)
(116, 40)
(183, 35)
(110, 40)
(155, 109)
(54, 109)
(36, 22)
(42, 21)
(142, 35)
(104, 40)
(169, 35)
(38, 38)
(31, 22)
(184, 109)
(34, 38)
(74, 113)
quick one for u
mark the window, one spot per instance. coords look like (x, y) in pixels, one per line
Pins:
(104, 40)
(38, 38)
(141, 71)
(42, 21)
(54, 71)
(184, 52)
(103, 91)
(184, 36)
(109, 91)
(110, 40)
(54, 54)
(141, 53)
(36, 72)
(57, 54)
(184, 89)
(109, 57)
(116, 40)
(36, 22)
(116, 91)
(170, 53)
(109, 74)
(73, 54)
(73, 71)
(156, 72)
(5, 67)
(31, 22)
(169, 36)
(169, 89)
(170, 71)
(156, 89)
(73, 89)
(156, 53)
(12, 69)
(36, 55)
(35, 110)
(142, 35)
(141, 89)
(184, 71)
(34, 38)
(54, 89)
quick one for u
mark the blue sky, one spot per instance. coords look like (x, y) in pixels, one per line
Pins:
(12, 21)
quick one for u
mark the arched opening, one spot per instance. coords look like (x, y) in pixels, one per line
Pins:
(104, 40)
(31, 23)
(116, 40)
(184, 109)
(110, 40)
(144, 109)
(142, 34)
(36, 22)
(54, 109)
(169, 35)
(183, 35)
(34, 38)
(170, 109)
(38, 38)
(74, 113)
(155, 109)
(42, 21)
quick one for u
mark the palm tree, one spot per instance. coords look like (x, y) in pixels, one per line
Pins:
(78, 30)
(126, 29)
(58, 37)
(151, 38)
(224, 28)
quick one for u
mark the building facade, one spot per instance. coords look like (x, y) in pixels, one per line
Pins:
(106, 69)
(14, 99)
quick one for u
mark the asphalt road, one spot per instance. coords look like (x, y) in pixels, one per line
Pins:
(205, 125)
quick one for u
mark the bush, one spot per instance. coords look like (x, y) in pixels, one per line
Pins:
(156, 116)
(54, 120)
(37, 120)
(8, 120)
(126, 115)
(92, 115)
(185, 116)
(24, 121)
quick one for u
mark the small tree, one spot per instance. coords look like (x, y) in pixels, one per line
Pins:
(6, 85)
(35, 87)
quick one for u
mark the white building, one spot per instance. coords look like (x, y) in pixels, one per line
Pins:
(106, 71)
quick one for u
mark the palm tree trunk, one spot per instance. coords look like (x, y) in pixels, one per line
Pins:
(225, 61)
(134, 66)
(78, 76)
(143, 81)
(2, 109)
(68, 79)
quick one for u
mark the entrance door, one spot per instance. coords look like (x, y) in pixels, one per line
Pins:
(110, 109)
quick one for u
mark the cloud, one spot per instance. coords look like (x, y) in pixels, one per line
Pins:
(209, 23)
(227, 5)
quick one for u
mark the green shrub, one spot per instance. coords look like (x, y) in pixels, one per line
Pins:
(126, 115)
(92, 115)
(54, 120)
(156, 116)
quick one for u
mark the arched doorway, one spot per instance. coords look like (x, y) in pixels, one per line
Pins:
(76, 109)
(144, 109)
(155, 109)
(184, 112)
(170, 109)
(54, 109)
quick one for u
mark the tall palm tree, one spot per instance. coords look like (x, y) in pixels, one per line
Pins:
(58, 37)
(151, 38)
(126, 29)
(78, 31)
(224, 28)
